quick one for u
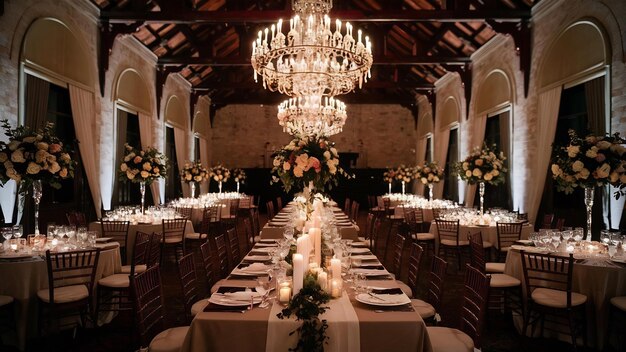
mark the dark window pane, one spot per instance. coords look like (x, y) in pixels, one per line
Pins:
(173, 188)
(451, 186)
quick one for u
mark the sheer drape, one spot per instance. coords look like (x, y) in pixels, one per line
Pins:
(547, 116)
(181, 156)
(204, 159)
(478, 136)
(421, 156)
(441, 153)
(37, 91)
(122, 123)
(84, 116)
(145, 129)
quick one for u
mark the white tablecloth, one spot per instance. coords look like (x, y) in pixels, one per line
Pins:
(489, 233)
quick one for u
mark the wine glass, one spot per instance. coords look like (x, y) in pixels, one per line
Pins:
(288, 233)
(51, 230)
(578, 234)
(264, 283)
(7, 233)
(17, 231)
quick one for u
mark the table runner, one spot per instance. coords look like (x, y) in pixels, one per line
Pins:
(343, 328)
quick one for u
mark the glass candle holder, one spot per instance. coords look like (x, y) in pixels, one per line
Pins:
(284, 290)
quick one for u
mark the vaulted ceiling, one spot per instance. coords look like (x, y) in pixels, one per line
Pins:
(415, 42)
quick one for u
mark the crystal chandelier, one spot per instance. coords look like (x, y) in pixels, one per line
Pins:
(311, 59)
(312, 116)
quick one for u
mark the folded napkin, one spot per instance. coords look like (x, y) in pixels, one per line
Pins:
(103, 239)
(359, 250)
(365, 257)
(530, 249)
(257, 268)
(391, 298)
(267, 240)
(370, 272)
(239, 295)
(218, 308)
(262, 249)
(264, 244)
(387, 291)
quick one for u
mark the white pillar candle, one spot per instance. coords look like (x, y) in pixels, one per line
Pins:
(316, 234)
(298, 273)
(335, 268)
(322, 280)
(335, 288)
(316, 222)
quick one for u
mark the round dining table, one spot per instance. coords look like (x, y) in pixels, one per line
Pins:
(488, 232)
(22, 278)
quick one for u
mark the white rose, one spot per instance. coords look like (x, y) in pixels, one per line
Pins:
(488, 176)
(592, 152)
(603, 145)
(577, 166)
(327, 155)
(468, 174)
(572, 150)
(216, 178)
(65, 158)
(123, 167)
(42, 146)
(147, 166)
(622, 179)
(332, 168)
(54, 167)
(334, 151)
(41, 155)
(465, 165)
(603, 171)
(583, 174)
(613, 177)
(424, 180)
(188, 177)
(477, 172)
(33, 168)
(276, 162)
(495, 173)
(130, 175)
(435, 179)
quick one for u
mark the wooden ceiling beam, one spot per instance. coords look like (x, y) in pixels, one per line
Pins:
(245, 61)
(271, 16)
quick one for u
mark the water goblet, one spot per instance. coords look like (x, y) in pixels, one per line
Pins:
(7, 233)
(605, 237)
(288, 233)
(17, 231)
(578, 234)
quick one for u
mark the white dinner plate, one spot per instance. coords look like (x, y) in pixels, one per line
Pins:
(383, 300)
(370, 272)
(359, 250)
(365, 257)
(230, 301)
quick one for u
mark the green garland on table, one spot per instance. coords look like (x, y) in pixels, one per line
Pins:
(307, 306)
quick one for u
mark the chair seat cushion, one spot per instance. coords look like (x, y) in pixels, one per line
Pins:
(619, 302)
(4, 300)
(453, 243)
(195, 236)
(555, 298)
(405, 288)
(494, 267)
(138, 268)
(199, 306)
(449, 340)
(424, 309)
(505, 249)
(65, 294)
(503, 281)
(170, 240)
(170, 340)
(115, 281)
(217, 285)
(487, 244)
(423, 236)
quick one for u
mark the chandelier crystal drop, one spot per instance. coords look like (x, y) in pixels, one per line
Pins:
(312, 116)
(312, 58)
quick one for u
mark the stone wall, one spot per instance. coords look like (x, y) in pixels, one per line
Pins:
(383, 135)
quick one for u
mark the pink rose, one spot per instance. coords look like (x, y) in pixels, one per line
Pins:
(137, 160)
(54, 148)
(315, 163)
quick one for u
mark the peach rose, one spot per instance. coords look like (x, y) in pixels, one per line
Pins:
(55, 148)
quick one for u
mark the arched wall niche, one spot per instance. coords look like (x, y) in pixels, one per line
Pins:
(495, 92)
(565, 62)
(425, 125)
(175, 113)
(132, 91)
(201, 125)
(449, 113)
(51, 47)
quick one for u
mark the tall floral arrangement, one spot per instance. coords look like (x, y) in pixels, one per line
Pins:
(144, 165)
(428, 172)
(307, 160)
(482, 165)
(590, 161)
(239, 175)
(405, 173)
(194, 172)
(390, 175)
(219, 173)
(34, 155)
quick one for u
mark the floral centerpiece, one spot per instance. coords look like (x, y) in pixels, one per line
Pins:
(483, 165)
(429, 173)
(239, 175)
(192, 173)
(404, 174)
(589, 162)
(34, 156)
(143, 167)
(389, 176)
(219, 174)
(307, 161)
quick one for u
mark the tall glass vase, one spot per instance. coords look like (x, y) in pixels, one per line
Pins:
(403, 187)
(237, 186)
(37, 193)
(220, 186)
(192, 186)
(389, 187)
(589, 194)
(481, 191)
(430, 192)
(142, 189)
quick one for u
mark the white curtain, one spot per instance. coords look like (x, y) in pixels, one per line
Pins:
(84, 116)
(547, 116)
(204, 159)
(145, 134)
(7, 199)
(441, 153)
(180, 139)
(421, 156)
(478, 136)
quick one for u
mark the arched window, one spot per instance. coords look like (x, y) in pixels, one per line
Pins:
(449, 143)
(175, 145)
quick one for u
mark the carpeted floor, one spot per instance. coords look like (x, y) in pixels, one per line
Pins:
(499, 332)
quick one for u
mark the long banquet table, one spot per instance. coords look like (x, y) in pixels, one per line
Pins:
(21, 279)
(598, 279)
(379, 330)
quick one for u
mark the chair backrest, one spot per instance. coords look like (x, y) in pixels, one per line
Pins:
(435, 283)
(76, 218)
(207, 261)
(547, 221)
(247, 227)
(508, 233)
(210, 219)
(371, 201)
(414, 265)
(548, 271)
(184, 212)
(475, 295)
(233, 245)
(346, 205)
(409, 215)
(234, 207)
(154, 250)
(419, 215)
(256, 225)
(71, 268)
(448, 230)
(222, 256)
(354, 211)
(141, 250)
(369, 225)
(279, 203)
(477, 252)
(174, 228)
(436, 213)
(560, 222)
(397, 255)
(118, 230)
(386, 203)
(523, 217)
(187, 274)
(146, 288)
(376, 230)
(270, 209)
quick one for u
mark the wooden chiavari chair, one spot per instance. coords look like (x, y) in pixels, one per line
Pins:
(173, 236)
(508, 234)
(428, 307)
(118, 231)
(449, 241)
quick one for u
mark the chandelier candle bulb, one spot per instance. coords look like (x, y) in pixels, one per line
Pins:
(298, 272)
